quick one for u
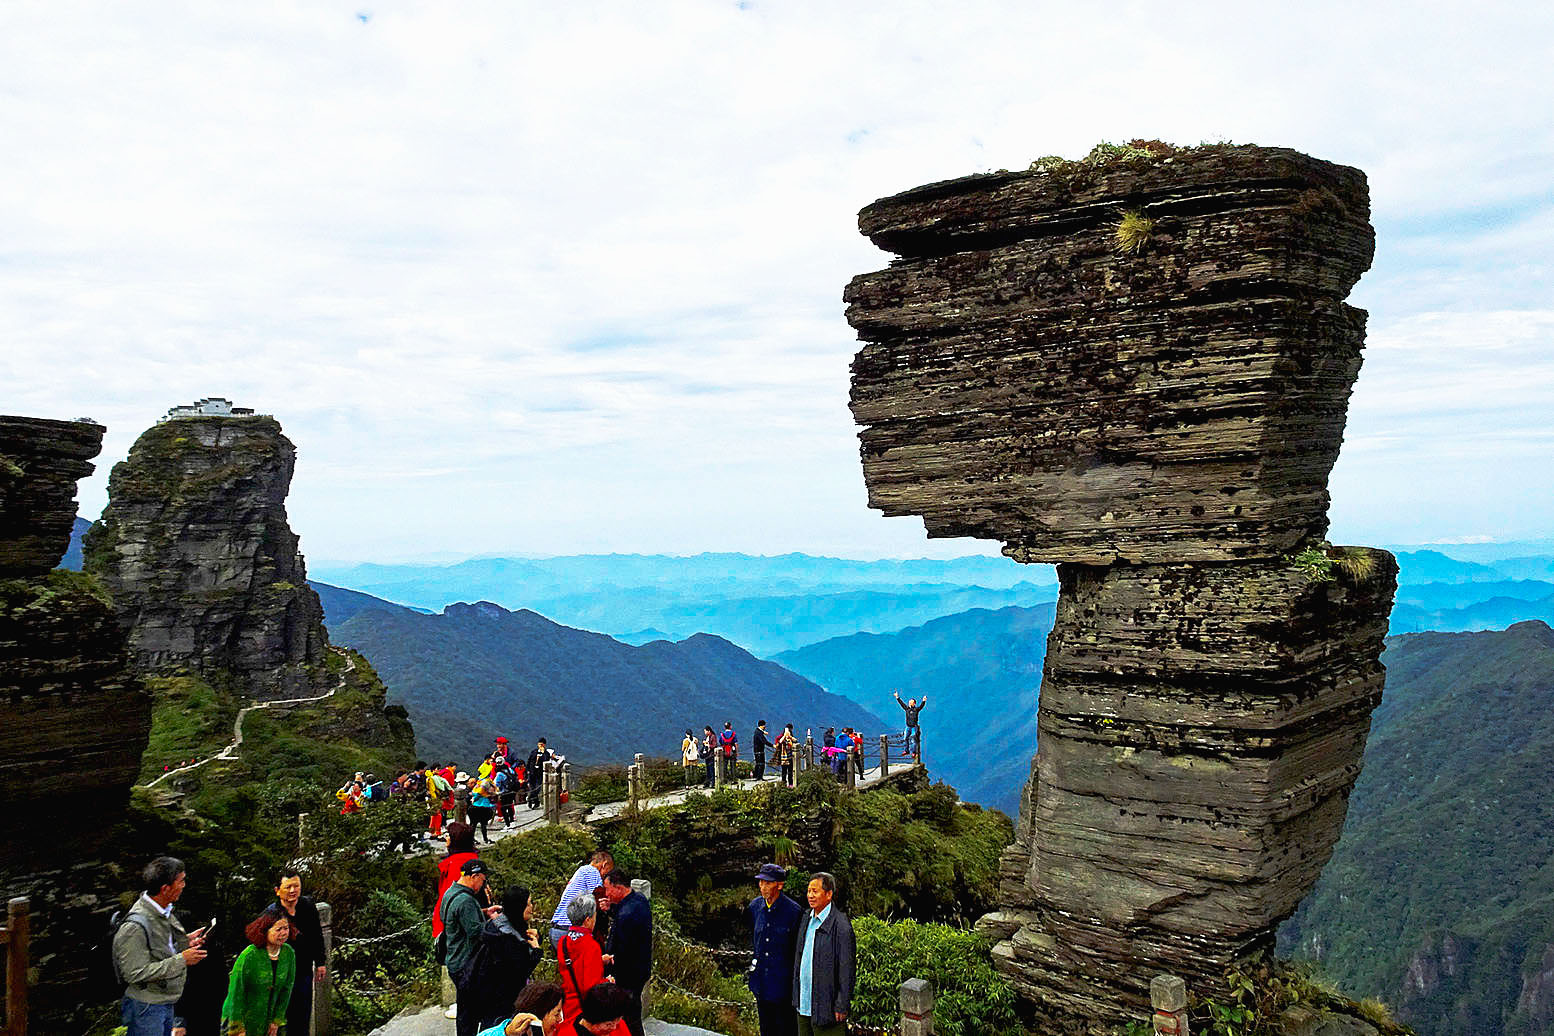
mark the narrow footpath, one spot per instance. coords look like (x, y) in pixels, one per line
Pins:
(230, 752)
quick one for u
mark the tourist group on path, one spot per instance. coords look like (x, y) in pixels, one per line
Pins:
(270, 988)
(802, 970)
(491, 794)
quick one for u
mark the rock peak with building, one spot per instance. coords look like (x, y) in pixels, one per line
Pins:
(197, 550)
(1138, 367)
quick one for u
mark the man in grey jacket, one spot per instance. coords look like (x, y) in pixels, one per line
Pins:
(825, 965)
(152, 954)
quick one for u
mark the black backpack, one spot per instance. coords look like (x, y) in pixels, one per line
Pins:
(103, 970)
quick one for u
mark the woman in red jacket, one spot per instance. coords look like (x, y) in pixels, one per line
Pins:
(461, 849)
(578, 957)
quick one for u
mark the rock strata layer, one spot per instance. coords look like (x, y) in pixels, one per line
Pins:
(40, 463)
(204, 569)
(1158, 414)
(73, 717)
(1025, 379)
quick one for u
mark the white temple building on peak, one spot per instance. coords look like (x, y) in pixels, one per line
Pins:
(211, 406)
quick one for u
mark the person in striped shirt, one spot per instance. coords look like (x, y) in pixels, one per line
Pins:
(586, 880)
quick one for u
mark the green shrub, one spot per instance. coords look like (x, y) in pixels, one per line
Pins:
(1132, 232)
(970, 998)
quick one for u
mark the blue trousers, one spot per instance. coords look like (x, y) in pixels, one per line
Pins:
(143, 1019)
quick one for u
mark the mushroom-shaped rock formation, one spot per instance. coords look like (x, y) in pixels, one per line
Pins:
(1139, 369)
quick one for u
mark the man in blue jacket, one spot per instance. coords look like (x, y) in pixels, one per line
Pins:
(775, 919)
(826, 964)
(630, 942)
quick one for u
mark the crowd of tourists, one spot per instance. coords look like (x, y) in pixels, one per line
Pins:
(491, 795)
(802, 968)
(600, 935)
(505, 778)
(838, 750)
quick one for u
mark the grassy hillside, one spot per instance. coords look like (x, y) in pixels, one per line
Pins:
(981, 672)
(1440, 896)
(475, 671)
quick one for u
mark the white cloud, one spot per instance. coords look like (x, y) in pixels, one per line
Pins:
(538, 277)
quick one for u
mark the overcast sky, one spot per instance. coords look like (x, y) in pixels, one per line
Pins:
(566, 277)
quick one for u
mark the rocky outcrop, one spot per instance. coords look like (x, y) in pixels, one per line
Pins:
(203, 566)
(74, 720)
(1023, 378)
(1139, 369)
(40, 463)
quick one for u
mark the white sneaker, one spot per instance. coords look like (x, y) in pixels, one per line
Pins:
(452, 1012)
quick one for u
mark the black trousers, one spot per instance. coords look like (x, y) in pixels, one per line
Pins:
(787, 774)
(777, 1018)
(633, 1015)
(299, 1012)
(469, 1000)
(760, 766)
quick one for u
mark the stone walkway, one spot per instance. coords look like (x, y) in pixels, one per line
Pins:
(430, 1021)
(532, 819)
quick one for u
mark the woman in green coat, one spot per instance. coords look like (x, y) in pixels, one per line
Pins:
(261, 978)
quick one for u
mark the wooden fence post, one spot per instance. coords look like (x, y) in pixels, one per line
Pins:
(1168, 996)
(323, 990)
(16, 937)
(884, 755)
(917, 1007)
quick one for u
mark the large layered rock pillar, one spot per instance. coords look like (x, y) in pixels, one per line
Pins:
(1138, 367)
(204, 568)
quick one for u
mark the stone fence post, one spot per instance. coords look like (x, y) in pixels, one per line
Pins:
(1168, 996)
(323, 991)
(884, 755)
(719, 765)
(550, 791)
(847, 764)
(809, 751)
(917, 1007)
(633, 788)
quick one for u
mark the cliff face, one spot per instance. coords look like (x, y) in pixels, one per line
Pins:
(40, 463)
(203, 566)
(1139, 370)
(74, 719)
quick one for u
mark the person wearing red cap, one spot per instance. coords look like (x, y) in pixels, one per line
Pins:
(500, 751)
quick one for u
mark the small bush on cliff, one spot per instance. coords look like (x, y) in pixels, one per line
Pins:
(1133, 231)
(970, 998)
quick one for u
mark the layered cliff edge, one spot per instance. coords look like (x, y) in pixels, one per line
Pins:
(1138, 367)
(197, 551)
(75, 716)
